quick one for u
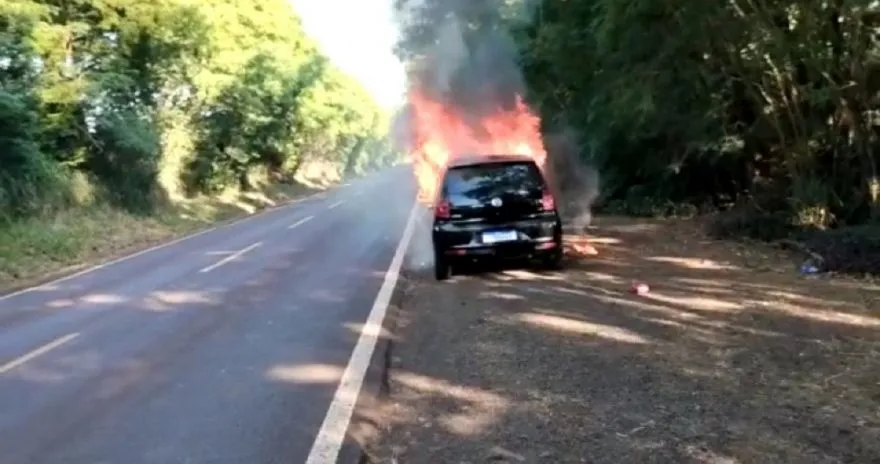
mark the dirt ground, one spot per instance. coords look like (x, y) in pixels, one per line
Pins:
(732, 357)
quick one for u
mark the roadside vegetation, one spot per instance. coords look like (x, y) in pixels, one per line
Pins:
(762, 113)
(125, 122)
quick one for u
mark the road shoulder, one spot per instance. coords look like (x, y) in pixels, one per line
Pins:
(730, 357)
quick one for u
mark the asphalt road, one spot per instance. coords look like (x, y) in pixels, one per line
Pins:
(226, 347)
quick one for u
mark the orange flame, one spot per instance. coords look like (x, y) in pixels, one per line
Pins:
(579, 246)
(440, 134)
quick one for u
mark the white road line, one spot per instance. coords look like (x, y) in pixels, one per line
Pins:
(335, 204)
(37, 352)
(300, 222)
(157, 247)
(328, 442)
(231, 257)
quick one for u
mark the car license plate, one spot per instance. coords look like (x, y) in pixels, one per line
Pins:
(499, 236)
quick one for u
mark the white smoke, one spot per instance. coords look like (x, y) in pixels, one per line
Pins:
(576, 183)
(420, 255)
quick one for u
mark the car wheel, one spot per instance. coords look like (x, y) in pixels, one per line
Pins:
(553, 261)
(442, 269)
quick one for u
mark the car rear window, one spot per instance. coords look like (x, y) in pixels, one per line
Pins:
(491, 179)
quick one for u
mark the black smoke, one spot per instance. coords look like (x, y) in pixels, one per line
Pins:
(460, 53)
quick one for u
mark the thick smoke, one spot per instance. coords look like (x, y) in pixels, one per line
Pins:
(401, 133)
(576, 184)
(459, 54)
(475, 80)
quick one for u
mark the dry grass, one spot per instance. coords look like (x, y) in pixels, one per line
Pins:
(40, 248)
(732, 357)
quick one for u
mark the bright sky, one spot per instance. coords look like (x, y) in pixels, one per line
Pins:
(358, 35)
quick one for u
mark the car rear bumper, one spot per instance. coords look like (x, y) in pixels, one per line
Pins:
(506, 251)
(535, 236)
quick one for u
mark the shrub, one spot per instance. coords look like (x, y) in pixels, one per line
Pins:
(854, 250)
(750, 222)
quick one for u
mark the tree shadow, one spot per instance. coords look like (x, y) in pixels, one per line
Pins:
(722, 361)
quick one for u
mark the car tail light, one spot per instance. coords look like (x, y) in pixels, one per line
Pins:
(548, 203)
(442, 210)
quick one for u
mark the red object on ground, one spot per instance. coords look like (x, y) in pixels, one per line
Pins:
(640, 288)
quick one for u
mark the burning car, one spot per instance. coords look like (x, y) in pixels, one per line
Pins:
(494, 207)
(479, 161)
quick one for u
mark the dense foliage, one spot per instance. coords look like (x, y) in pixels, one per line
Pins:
(136, 99)
(766, 106)
(766, 102)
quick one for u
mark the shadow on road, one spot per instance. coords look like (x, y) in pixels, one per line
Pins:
(237, 374)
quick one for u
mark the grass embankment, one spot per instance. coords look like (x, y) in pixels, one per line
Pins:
(41, 248)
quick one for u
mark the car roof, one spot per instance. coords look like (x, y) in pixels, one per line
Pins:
(470, 160)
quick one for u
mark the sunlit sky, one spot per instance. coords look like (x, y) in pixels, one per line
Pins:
(358, 35)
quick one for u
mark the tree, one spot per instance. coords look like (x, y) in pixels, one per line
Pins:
(130, 93)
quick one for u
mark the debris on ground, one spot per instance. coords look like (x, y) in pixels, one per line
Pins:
(640, 288)
(809, 268)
